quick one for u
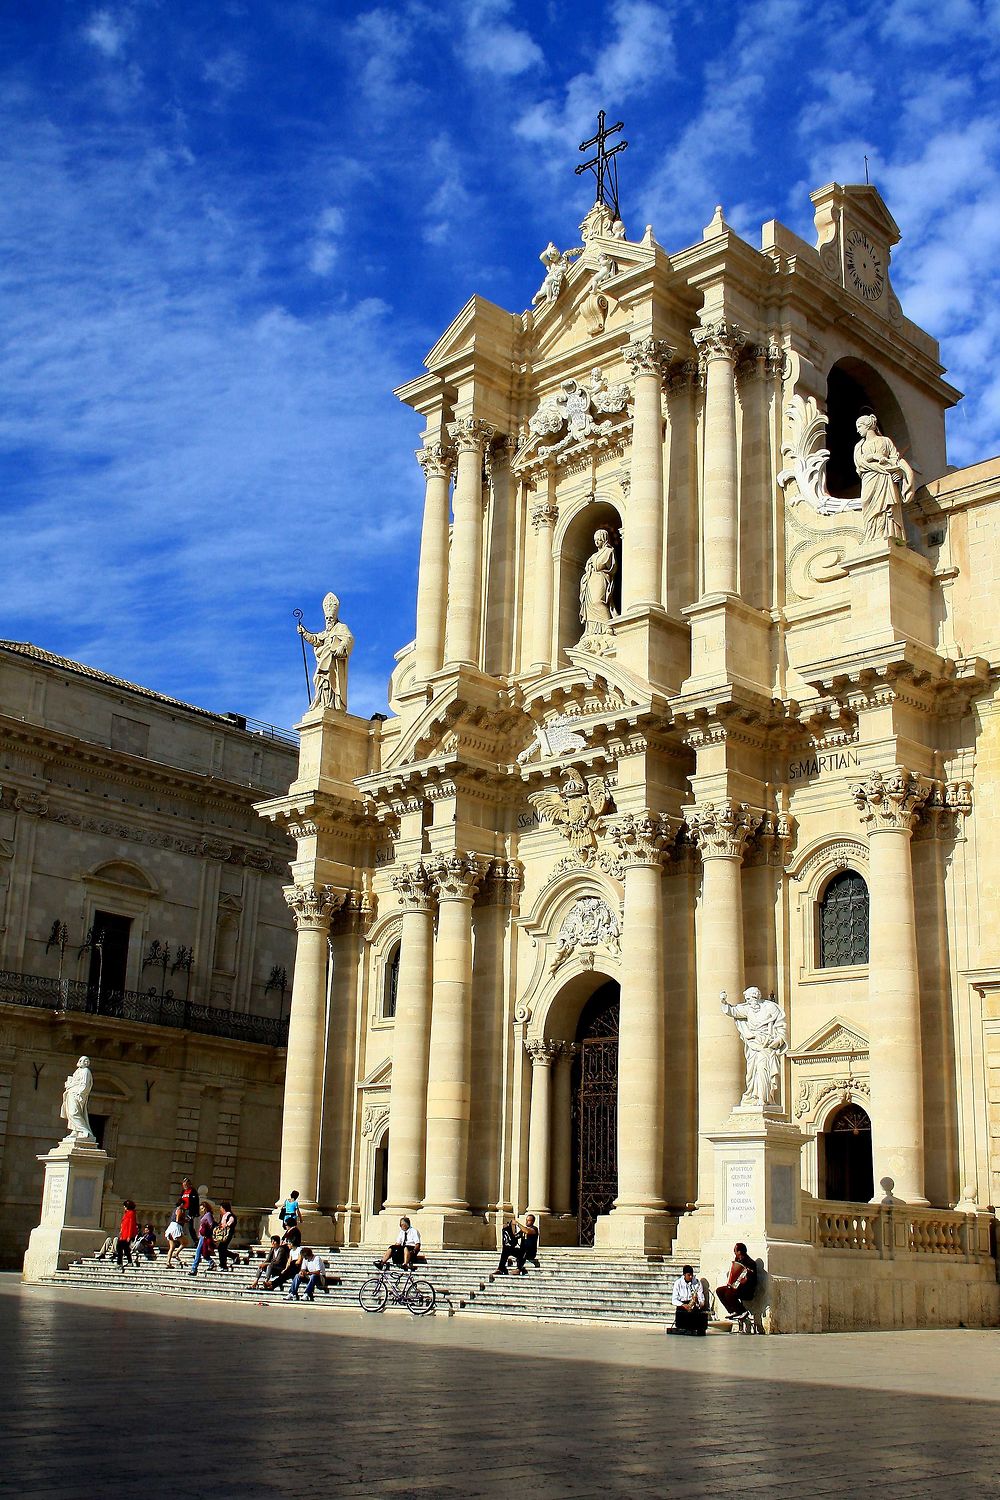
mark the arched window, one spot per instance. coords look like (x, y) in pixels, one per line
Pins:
(843, 921)
(390, 991)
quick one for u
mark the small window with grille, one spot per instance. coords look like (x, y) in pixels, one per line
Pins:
(843, 921)
(391, 991)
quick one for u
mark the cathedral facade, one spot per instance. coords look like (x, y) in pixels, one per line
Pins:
(664, 905)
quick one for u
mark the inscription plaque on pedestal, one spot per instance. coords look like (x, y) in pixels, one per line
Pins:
(741, 1202)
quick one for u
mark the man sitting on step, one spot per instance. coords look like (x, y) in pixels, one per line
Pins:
(406, 1247)
(527, 1245)
(688, 1298)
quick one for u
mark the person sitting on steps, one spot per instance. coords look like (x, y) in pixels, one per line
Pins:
(688, 1297)
(406, 1247)
(527, 1245)
(508, 1245)
(741, 1284)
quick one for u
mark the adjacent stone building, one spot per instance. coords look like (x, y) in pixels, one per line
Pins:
(703, 697)
(142, 922)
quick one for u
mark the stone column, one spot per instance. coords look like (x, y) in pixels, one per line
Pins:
(408, 1092)
(542, 1055)
(718, 345)
(449, 1077)
(647, 359)
(301, 1122)
(544, 514)
(465, 581)
(438, 463)
(721, 832)
(889, 806)
(562, 1127)
(346, 939)
(641, 1049)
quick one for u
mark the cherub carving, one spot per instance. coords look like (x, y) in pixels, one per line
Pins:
(576, 811)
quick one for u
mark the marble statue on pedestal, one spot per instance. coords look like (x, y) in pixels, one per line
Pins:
(886, 482)
(596, 589)
(333, 646)
(76, 1092)
(764, 1033)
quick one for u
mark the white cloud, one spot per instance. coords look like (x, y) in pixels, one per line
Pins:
(323, 249)
(492, 45)
(106, 32)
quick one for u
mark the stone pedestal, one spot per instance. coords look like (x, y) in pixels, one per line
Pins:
(644, 1233)
(758, 1199)
(70, 1225)
(891, 590)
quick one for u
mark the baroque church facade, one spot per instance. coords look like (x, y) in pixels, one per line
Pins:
(702, 703)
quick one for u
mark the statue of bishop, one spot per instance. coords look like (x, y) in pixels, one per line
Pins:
(333, 646)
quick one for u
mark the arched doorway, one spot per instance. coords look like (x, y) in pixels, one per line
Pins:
(595, 1110)
(847, 1143)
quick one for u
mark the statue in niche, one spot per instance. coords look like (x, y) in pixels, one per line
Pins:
(887, 483)
(332, 645)
(764, 1033)
(76, 1092)
(596, 591)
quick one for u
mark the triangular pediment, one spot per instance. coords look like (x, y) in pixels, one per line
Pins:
(837, 1038)
(476, 329)
(380, 1077)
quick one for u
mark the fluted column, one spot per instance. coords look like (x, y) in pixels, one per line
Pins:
(889, 806)
(718, 346)
(302, 1115)
(542, 1054)
(562, 1127)
(438, 463)
(721, 831)
(408, 1093)
(469, 436)
(449, 1078)
(647, 359)
(641, 1051)
(544, 514)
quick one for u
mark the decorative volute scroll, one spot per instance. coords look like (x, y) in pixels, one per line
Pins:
(471, 434)
(718, 340)
(590, 923)
(722, 829)
(805, 455)
(640, 838)
(312, 905)
(648, 356)
(456, 877)
(413, 886)
(437, 460)
(890, 802)
(572, 416)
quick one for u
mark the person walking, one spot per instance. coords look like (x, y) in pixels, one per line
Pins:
(174, 1236)
(206, 1226)
(127, 1231)
(188, 1201)
(223, 1233)
(291, 1215)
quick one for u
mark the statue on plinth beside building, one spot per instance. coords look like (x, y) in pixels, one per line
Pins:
(333, 646)
(76, 1092)
(764, 1033)
(886, 482)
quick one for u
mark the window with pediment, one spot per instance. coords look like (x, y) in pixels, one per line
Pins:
(844, 921)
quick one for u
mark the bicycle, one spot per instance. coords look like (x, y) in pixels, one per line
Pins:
(401, 1288)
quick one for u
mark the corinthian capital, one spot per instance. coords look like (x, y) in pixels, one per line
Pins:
(722, 829)
(891, 801)
(640, 838)
(437, 460)
(542, 1053)
(412, 884)
(544, 514)
(457, 876)
(718, 340)
(312, 905)
(470, 434)
(648, 357)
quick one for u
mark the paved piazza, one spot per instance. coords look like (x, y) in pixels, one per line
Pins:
(109, 1395)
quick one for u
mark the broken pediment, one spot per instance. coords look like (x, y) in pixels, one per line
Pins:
(836, 1040)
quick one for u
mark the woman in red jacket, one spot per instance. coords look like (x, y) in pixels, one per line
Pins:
(127, 1231)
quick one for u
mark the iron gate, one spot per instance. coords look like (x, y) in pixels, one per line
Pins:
(595, 1111)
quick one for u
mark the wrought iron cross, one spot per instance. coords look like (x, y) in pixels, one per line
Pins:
(603, 164)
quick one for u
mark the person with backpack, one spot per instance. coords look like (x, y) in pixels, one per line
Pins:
(741, 1284)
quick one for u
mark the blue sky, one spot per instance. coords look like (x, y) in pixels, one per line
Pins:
(228, 229)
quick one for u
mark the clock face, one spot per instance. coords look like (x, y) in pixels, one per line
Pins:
(864, 265)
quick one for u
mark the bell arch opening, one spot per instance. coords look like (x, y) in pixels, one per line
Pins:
(854, 388)
(579, 544)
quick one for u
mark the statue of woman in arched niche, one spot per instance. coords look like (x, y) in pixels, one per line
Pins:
(886, 483)
(596, 591)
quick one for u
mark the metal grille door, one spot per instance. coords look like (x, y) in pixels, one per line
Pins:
(595, 1112)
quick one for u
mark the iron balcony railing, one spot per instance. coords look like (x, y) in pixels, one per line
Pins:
(73, 995)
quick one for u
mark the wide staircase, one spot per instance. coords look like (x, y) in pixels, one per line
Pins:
(569, 1285)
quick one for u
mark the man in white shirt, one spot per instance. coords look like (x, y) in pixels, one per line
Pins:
(688, 1298)
(406, 1246)
(309, 1265)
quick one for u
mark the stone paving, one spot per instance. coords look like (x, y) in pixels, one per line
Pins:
(108, 1395)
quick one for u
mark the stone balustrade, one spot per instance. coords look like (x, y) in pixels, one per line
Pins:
(891, 1232)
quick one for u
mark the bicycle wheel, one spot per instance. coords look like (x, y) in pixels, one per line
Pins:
(420, 1298)
(374, 1294)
